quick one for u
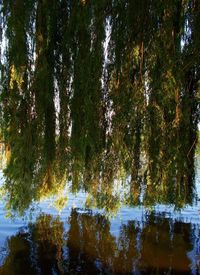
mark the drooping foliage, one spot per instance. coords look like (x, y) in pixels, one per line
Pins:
(94, 93)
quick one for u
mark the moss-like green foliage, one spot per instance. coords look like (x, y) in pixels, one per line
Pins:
(98, 91)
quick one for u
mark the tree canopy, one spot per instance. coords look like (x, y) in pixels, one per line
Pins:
(94, 92)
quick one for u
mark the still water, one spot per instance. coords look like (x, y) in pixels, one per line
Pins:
(83, 241)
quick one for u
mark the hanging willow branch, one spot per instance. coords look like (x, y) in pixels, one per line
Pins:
(97, 91)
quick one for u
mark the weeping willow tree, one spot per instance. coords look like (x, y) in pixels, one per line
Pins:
(94, 93)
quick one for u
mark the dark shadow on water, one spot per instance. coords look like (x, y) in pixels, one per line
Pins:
(155, 246)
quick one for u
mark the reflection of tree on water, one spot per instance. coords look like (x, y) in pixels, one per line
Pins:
(48, 236)
(155, 246)
(38, 251)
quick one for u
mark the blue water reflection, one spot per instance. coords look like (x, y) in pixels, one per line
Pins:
(136, 240)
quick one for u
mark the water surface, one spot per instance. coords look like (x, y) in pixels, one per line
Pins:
(83, 241)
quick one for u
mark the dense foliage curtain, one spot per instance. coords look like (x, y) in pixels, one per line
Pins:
(95, 92)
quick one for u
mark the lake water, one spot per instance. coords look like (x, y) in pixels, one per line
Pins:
(82, 241)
